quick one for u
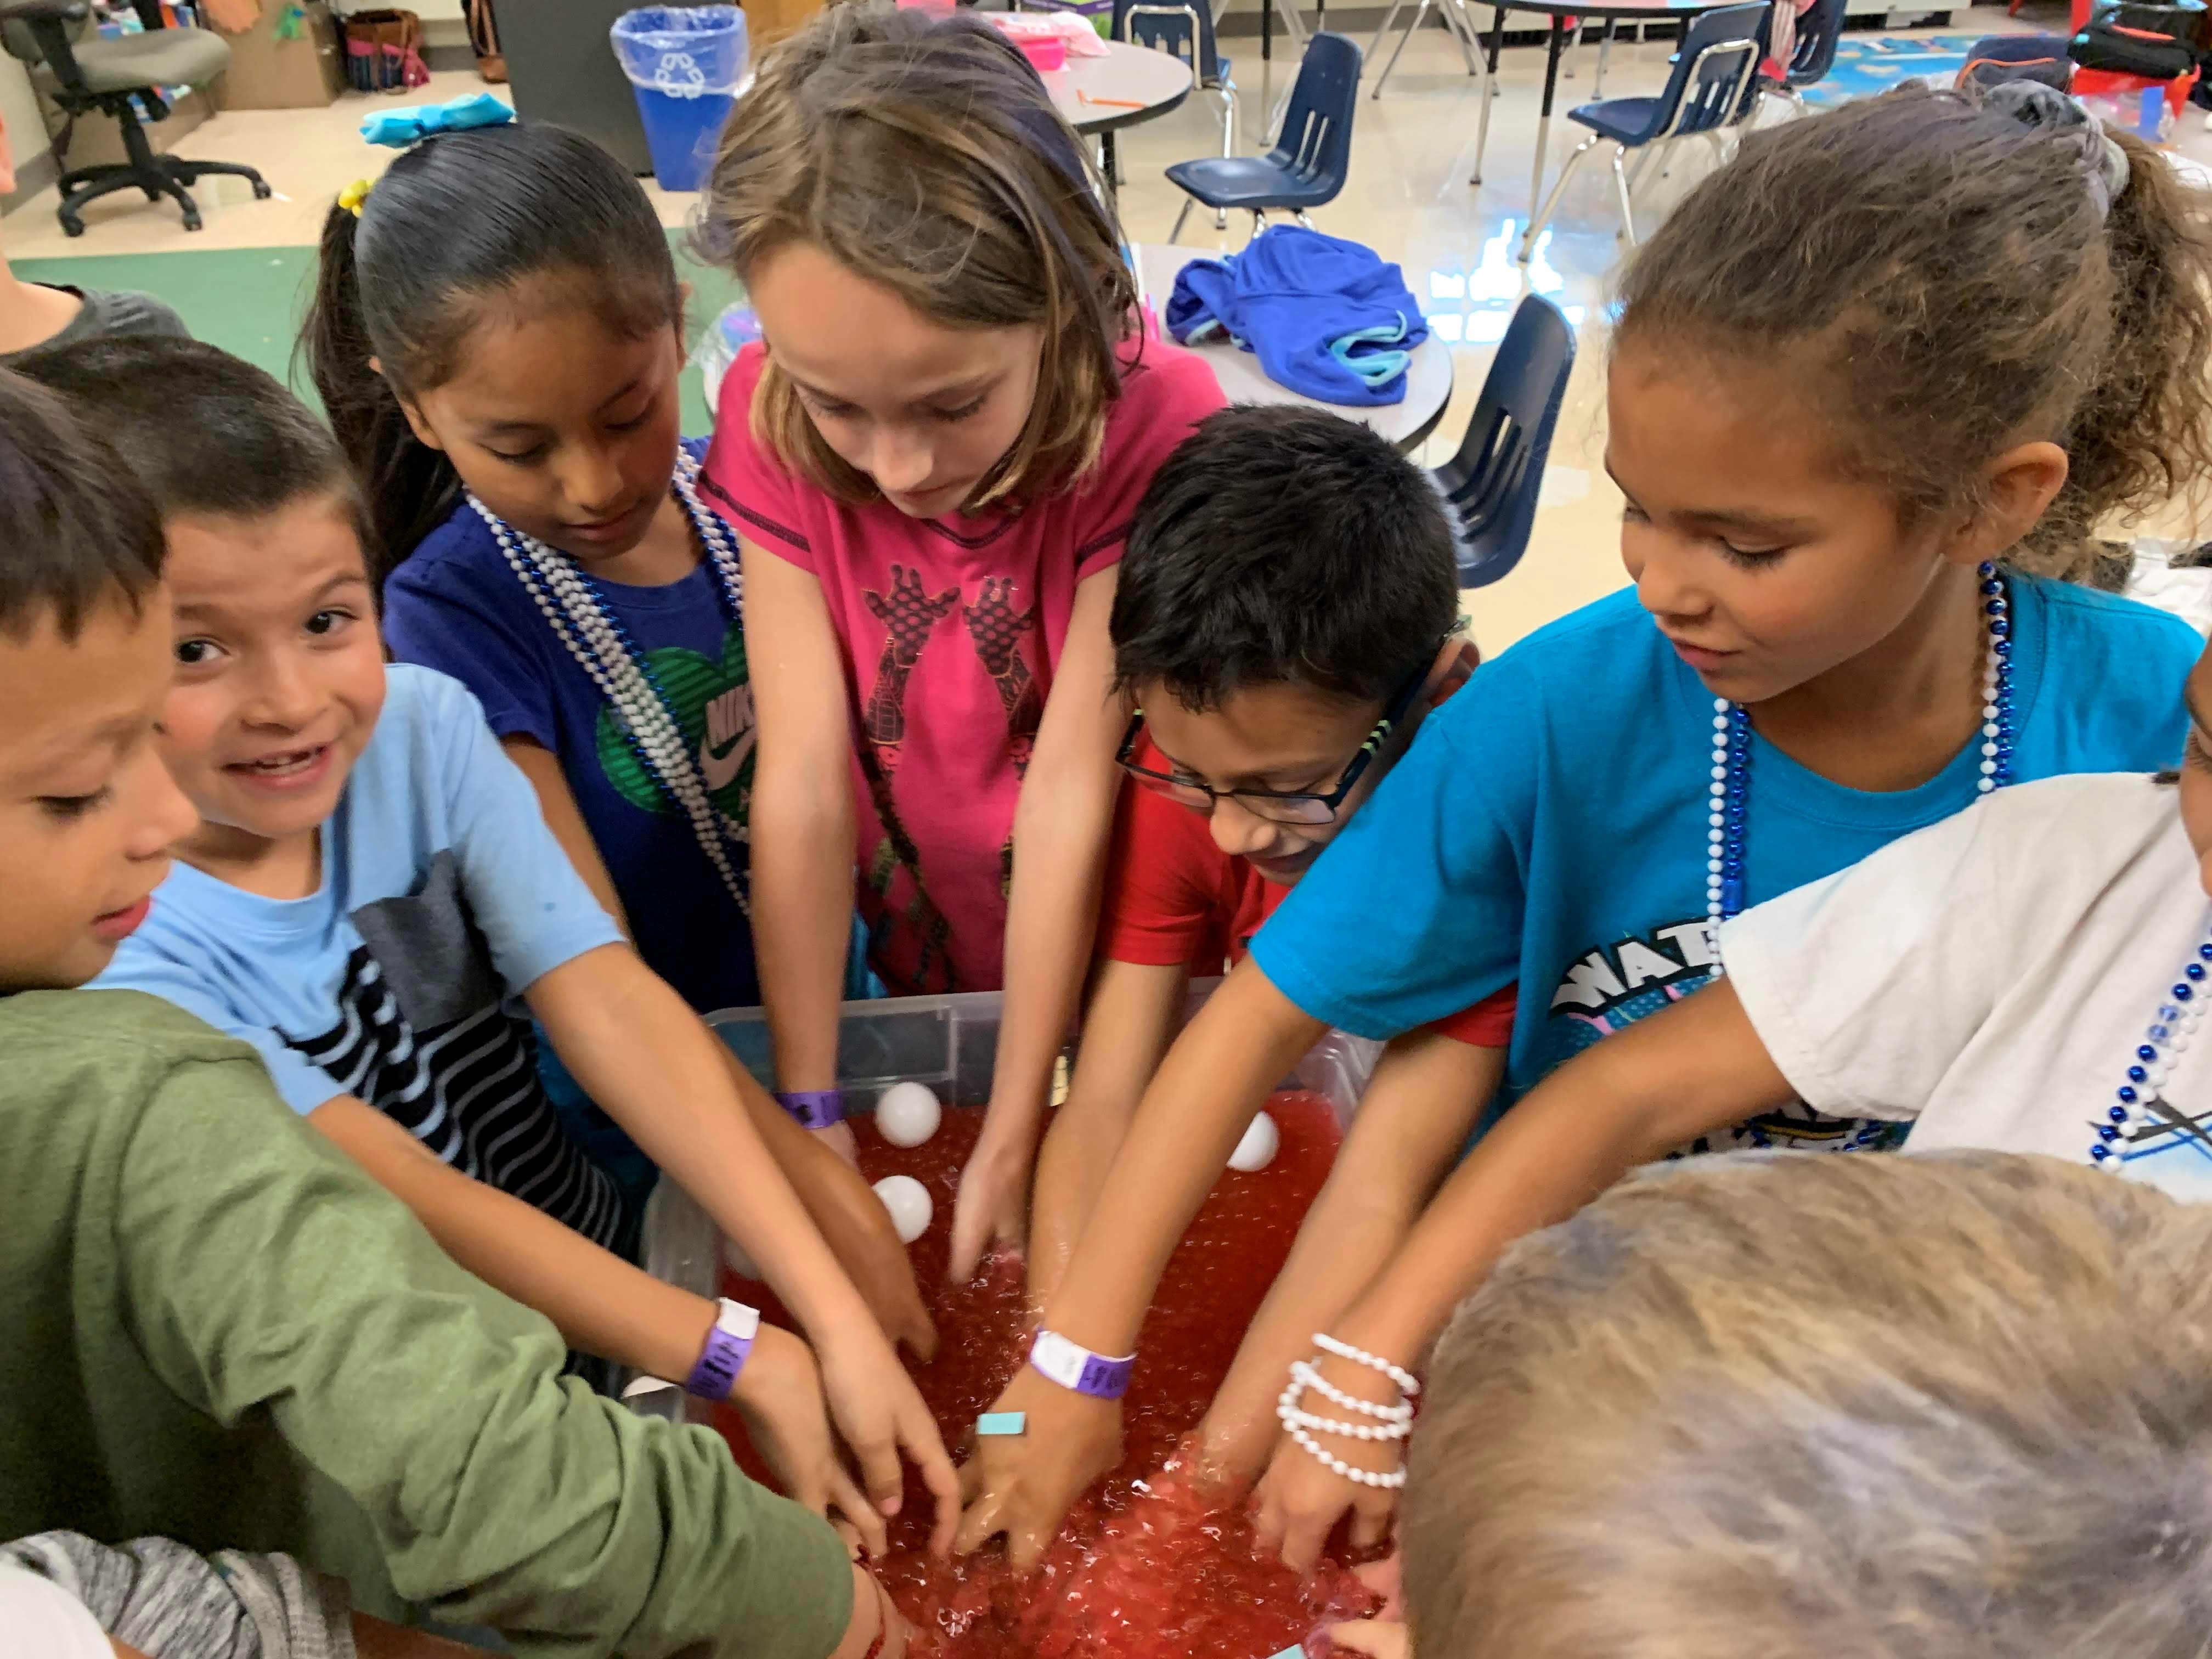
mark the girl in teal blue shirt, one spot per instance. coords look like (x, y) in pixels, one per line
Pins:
(1874, 385)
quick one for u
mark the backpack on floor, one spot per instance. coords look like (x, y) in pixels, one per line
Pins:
(2156, 42)
(1997, 58)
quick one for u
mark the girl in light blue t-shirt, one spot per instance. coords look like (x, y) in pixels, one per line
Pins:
(1872, 386)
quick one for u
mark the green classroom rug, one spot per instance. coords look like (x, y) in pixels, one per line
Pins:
(251, 301)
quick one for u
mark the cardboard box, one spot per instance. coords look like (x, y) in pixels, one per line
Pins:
(768, 22)
(305, 72)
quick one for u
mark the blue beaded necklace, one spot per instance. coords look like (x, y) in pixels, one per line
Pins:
(1730, 802)
(2143, 1089)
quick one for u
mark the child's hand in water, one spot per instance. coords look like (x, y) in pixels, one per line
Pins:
(1385, 1635)
(1379, 1638)
(779, 1394)
(859, 1233)
(1024, 1484)
(1300, 1499)
(993, 1206)
(880, 1413)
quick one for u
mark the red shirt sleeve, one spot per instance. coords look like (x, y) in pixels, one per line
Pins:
(1488, 1024)
(1165, 393)
(747, 484)
(1163, 904)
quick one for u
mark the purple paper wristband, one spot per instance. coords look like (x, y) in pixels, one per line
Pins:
(815, 1108)
(1073, 1366)
(729, 1344)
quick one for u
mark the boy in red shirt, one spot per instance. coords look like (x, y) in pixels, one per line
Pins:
(1288, 612)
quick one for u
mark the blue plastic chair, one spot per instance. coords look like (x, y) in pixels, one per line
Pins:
(1818, 31)
(1312, 154)
(1710, 89)
(1184, 30)
(1491, 484)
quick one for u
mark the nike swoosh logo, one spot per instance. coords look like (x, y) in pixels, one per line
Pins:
(729, 738)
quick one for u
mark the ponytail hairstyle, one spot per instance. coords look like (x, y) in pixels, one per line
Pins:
(1945, 278)
(463, 228)
(926, 156)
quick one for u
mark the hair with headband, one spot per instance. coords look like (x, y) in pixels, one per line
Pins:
(1928, 280)
(925, 154)
(467, 228)
(2104, 164)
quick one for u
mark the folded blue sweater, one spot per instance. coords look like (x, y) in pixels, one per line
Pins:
(1326, 317)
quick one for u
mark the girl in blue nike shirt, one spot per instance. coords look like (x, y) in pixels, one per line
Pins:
(1874, 385)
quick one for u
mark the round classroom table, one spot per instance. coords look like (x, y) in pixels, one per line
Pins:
(1129, 84)
(1610, 12)
(1405, 423)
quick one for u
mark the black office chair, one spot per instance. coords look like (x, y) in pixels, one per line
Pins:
(85, 75)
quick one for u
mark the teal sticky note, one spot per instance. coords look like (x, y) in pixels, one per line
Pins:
(1298, 1652)
(1001, 1423)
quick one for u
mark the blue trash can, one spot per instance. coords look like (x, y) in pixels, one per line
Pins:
(684, 64)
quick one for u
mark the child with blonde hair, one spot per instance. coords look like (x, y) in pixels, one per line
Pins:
(932, 459)
(1916, 1406)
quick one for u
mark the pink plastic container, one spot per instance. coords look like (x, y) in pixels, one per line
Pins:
(1046, 52)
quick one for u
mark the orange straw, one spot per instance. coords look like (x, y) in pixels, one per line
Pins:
(1110, 103)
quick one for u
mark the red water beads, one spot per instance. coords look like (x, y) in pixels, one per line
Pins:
(1148, 1566)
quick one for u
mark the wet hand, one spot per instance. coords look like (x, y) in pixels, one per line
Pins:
(1233, 1445)
(1386, 1578)
(884, 1278)
(1022, 1486)
(1379, 1638)
(991, 1207)
(1300, 1499)
(867, 1246)
(880, 1414)
(779, 1394)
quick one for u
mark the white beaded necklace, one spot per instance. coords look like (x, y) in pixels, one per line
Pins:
(583, 621)
(1730, 802)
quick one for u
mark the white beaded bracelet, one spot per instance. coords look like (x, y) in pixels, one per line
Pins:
(1304, 1372)
(1291, 1417)
(1387, 1482)
(1295, 1422)
(1408, 1384)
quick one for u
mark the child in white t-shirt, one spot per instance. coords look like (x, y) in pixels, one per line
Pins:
(2026, 977)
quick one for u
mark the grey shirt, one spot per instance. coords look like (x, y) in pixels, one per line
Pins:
(160, 1598)
(106, 311)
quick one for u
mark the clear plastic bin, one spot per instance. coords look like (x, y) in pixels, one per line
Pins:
(948, 1042)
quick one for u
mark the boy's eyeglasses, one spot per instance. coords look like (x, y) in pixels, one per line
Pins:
(1275, 805)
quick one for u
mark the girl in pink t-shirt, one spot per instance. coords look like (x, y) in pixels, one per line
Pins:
(932, 460)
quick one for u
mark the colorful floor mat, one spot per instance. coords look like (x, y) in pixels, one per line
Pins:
(1868, 64)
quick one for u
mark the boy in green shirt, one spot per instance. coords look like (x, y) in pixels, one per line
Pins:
(220, 1329)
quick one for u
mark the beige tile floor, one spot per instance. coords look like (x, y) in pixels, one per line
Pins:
(1409, 197)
